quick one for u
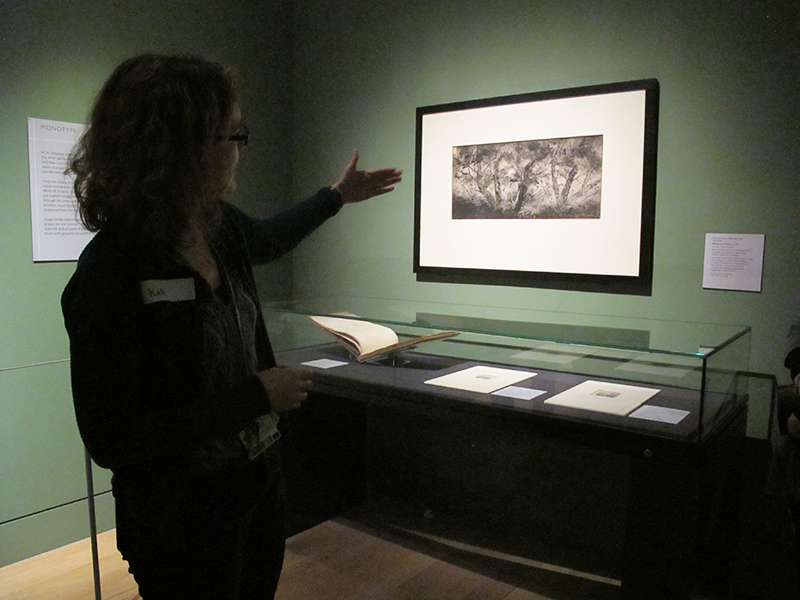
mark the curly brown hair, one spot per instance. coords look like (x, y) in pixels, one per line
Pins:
(143, 166)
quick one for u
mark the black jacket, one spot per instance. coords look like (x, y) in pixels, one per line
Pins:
(136, 366)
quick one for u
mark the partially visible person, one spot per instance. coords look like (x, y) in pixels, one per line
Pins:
(784, 474)
(174, 381)
(792, 360)
(789, 407)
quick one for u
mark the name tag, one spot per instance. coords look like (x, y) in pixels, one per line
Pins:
(167, 290)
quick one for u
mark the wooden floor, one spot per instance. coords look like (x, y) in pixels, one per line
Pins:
(385, 550)
(66, 574)
(342, 559)
(380, 552)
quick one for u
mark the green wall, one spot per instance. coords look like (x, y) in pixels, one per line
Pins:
(54, 56)
(331, 76)
(728, 159)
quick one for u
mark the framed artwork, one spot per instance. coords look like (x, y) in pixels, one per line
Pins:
(549, 189)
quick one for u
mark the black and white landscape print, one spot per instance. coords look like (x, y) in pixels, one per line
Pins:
(535, 179)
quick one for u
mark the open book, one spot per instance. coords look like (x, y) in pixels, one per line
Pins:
(367, 340)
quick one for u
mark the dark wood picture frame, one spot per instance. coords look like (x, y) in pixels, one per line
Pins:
(549, 189)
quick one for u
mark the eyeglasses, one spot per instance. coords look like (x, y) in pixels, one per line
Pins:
(241, 137)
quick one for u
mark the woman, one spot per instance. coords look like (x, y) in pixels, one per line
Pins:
(174, 381)
(783, 480)
(789, 405)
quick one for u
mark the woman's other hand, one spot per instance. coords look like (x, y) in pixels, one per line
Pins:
(286, 388)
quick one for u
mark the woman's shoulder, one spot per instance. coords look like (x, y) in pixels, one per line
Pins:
(235, 224)
(106, 256)
(107, 270)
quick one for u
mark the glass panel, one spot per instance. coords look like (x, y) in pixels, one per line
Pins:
(725, 378)
(693, 340)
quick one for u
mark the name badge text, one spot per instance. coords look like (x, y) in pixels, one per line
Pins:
(167, 290)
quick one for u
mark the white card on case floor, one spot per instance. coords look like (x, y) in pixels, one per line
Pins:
(518, 393)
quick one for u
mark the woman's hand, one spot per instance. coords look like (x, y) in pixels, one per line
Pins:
(286, 388)
(356, 186)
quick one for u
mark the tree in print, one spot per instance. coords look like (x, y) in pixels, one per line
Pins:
(536, 179)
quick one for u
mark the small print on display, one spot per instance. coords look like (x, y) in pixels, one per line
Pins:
(481, 378)
(603, 396)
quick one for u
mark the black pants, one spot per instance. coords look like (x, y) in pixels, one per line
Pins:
(209, 536)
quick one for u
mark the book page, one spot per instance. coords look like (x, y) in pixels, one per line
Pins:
(364, 336)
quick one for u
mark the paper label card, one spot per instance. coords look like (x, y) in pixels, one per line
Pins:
(519, 393)
(57, 233)
(662, 414)
(733, 261)
(324, 363)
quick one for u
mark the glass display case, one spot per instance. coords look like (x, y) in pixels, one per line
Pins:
(612, 438)
(668, 379)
